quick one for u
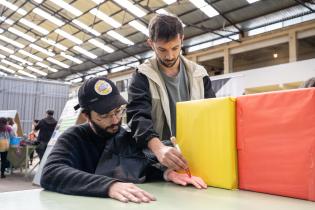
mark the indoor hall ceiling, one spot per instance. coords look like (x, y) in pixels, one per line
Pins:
(57, 38)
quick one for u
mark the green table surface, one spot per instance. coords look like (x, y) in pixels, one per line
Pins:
(169, 196)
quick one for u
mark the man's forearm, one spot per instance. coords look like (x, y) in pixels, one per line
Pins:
(155, 144)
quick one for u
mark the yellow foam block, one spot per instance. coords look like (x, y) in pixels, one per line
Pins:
(206, 134)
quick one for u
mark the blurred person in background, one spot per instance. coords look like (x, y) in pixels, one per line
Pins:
(6, 132)
(46, 128)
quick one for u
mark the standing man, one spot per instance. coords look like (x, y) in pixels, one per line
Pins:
(158, 84)
(46, 128)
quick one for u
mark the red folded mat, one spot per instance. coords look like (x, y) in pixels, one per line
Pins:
(276, 143)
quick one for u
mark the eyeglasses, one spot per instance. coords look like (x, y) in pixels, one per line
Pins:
(118, 113)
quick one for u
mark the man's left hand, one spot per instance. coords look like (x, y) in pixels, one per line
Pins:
(184, 179)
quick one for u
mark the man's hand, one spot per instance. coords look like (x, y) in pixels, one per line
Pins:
(167, 156)
(126, 192)
(184, 179)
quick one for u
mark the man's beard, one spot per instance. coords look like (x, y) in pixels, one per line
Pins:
(103, 131)
(169, 64)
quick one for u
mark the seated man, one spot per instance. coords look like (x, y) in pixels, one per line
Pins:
(74, 165)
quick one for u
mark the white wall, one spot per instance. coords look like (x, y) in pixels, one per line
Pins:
(278, 74)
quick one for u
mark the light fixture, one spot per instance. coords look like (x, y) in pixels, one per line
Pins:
(140, 27)
(39, 1)
(87, 28)
(40, 49)
(37, 71)
(30, 55)
(21, 34)
(34, 26)
(89, 77)
(68, 36)
(120, 37)
(6, 49)
(119, 68)
(48, 17)
(84, 52)
(20, 60)
(162, 12)
(13, 7)
(131, 7)
(209, 11)
(98, 1)
(53, 43)
(101, 45)
(275, 55)
(26, 74)
(252, 1)
(124, 67)
(105, 18)
(199, 3)
(11, 41)
(67, 7)
(73, 76)
(169, 1)
(6, 20)
(7, 69)
(205, 7)
(76, 80)
(2, 56)
(46, 66)
(102, 73)
(200, 46)
(11, 64)
(69, 57)
(58, 63)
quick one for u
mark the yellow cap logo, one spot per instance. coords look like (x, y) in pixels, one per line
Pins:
(102, 87)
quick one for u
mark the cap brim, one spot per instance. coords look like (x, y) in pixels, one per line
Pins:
(105, 106)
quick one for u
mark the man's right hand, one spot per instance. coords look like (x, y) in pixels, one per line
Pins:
(126, 192)
(167, 156)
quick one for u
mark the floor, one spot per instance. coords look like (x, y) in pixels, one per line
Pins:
(17, 180)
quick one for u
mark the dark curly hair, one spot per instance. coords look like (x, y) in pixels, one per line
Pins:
(165, 27)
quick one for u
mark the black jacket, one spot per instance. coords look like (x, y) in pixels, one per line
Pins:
(70, 168)
(139, 107)
(46, 128)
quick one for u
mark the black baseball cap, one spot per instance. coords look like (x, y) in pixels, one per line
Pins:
(100, 95)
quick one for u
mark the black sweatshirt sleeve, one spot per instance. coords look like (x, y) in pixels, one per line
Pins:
(39, 125)
(139, 110)
(64, 172)
(209, 93)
